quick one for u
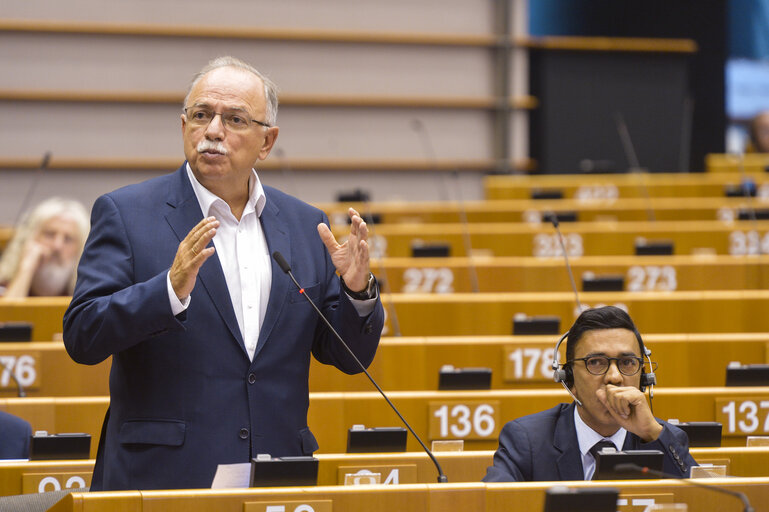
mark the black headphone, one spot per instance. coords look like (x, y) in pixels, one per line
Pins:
(564, 373)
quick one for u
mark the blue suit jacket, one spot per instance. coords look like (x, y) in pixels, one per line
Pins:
(544, 447)
(14, 437)
(184, 394)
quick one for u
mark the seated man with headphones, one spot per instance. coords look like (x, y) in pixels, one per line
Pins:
(604, 373)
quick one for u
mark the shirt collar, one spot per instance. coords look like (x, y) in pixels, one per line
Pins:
(256, 197)
(587, 437)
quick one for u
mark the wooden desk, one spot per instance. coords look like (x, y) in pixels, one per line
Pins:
(527, 497)
(57, 415)
(580, 238)
(465, 314)
(726, 163)
(523, 362)
(45, 313)
(438, 414)
(475, 416)
(534, 210)
(43, 476)
(394, 468)
(45, 369)
(413, 363)
(612, 186)
(528, 274)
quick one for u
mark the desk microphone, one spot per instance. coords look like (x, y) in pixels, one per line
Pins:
(429, 152)
(19, 388)
(32, 186)
(553, 219)
(391, 305)
(284, 266)
(632, 158)
(635, 468)
(472, 270)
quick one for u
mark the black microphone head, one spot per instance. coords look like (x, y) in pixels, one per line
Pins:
(551, 218)
(282, 263)
(46, 160)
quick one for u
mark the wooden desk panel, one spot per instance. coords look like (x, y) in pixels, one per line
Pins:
(534, 210)
(614, 186)
(523, 362)
(42, 476)
(469, 466)
(45, 314)
(484, 413)
(528, 274)
(58, 415)
(725, 163)
(413, 363)
(526, 497)
(580, 238)
(45, 369)
(466, 314)
(331, 414)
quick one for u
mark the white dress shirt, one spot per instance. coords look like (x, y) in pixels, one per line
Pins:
(587, 437)
(243, 253)
(245, 258)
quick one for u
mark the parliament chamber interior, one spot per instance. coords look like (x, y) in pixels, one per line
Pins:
(516, 162)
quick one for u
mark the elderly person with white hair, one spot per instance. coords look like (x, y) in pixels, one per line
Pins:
(41, 258)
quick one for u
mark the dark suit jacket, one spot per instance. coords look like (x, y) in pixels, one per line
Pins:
(544, 447)
(14, 437)
(184, 394)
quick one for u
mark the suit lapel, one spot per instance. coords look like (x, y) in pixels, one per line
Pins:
(569, 462)
(183, 216)
(276, 232)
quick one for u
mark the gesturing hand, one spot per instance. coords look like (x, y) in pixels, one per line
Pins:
(351, 258)
(191, 255)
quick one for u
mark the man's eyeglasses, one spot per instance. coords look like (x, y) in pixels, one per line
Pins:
(599, 365)
(234, 120)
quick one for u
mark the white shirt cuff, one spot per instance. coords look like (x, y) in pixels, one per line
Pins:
(363, 307)
(177, 306)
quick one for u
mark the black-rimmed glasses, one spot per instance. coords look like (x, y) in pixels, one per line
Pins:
(599, 365)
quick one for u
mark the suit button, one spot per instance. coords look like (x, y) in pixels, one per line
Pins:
(368, 329)
(251, 378)
(243, 433)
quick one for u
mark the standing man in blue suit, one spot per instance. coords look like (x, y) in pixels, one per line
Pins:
(210, 341)
(604, 368)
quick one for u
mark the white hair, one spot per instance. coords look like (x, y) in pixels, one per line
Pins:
(30, 226)
(270, 89)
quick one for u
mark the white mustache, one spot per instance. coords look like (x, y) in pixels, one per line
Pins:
(208, 145)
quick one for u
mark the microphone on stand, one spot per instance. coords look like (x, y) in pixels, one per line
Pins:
(391, 306)
(284, 266)
(553, 219)
(635, 166)
(30, 191)
(429, 152)
(635, 468)
(472, 270)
